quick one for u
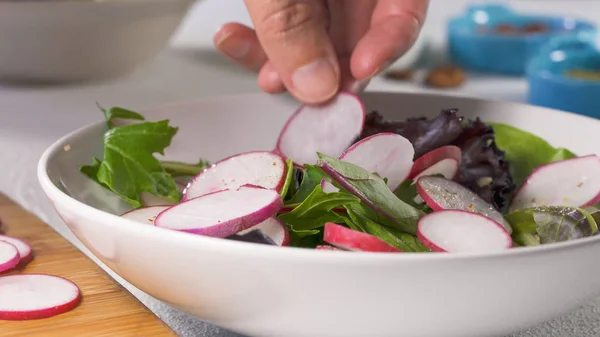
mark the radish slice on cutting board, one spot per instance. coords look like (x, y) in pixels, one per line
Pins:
(223, 213)
(263, 169)
(273, 229)
(349, 239)
(432, 158)
(149, 199)
(456, 231)
(9, 256)
(329, 128)
(443, 194)
(25, 252)
(145, 215)
(571, 182)
(35, 296)
(388, 154)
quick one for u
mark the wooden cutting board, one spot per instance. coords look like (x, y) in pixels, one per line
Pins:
(106, 309)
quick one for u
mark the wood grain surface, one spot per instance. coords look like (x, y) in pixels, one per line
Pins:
(106, 309)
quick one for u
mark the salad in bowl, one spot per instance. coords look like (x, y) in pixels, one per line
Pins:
(343, 178)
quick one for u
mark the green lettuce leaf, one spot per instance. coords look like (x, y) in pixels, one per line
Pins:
(129, 166)
(552, 224)
(373, 191)
(363, 223)
(181, 169)
(316, 210)
(289, 178)
(113, 113)
(311, 177)
(525, 151)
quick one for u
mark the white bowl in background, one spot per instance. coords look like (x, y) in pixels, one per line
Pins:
(270, 291)
(65, 41)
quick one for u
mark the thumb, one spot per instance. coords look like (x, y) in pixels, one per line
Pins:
(293, 34)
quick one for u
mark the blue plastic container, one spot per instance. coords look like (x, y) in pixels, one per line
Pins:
(550, 87)
(475, 46)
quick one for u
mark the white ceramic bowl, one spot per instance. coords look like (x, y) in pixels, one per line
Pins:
(65, 41)
(290, 292)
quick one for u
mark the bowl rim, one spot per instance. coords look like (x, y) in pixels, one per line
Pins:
(56, 195)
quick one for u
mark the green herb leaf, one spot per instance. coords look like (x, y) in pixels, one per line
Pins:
(316, 209)
(407, 192)
(311, 177)
(403, 241)
(181, 169)
(373, 191)
(305, 238)
(289, 177)
(525, 151)
(118, 113)
(129, 166)
(553, 223)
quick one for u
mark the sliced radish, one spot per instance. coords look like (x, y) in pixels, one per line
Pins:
(433, 157)
(264, 169)
(330, 129)
(349, 239)
(457, 231)
(388, 154)
(222, 213)
(571, 182)
(25, 252)
(149, 199)
(443, 194)
(273, 229)
(9, 256)
(35, 296)
(327, 247)
(145, 215)
(448, 168)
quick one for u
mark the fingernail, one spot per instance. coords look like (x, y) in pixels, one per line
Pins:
(232, 46)
(316, 81)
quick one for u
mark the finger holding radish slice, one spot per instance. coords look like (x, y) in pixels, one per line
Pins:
(273, 229)
(145, 215)
(264, 169)
(349, 239)
(9, 256)
(443, 194)
(223, 213)
(387, 154)
(25, 252)
(36, 296)
(457, 231)
(430, 159)
(330, 129)
(571, 182)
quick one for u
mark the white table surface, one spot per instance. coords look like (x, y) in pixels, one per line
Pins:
(32, 118)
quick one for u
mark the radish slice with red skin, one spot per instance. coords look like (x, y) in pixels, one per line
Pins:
(149, 199)
(36, 296)
(349, 239)
(329, 128)
(260, 168)
(446, 167)
(223, 213)
(272, 228)
(388, 154)
(327, 247)
(9, 256)
(456, 231)
(571, 182)
(25, 252)
(433, 157)
(145, 215)
(443, 194)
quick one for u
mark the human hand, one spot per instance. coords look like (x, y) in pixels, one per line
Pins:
(314, 48)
